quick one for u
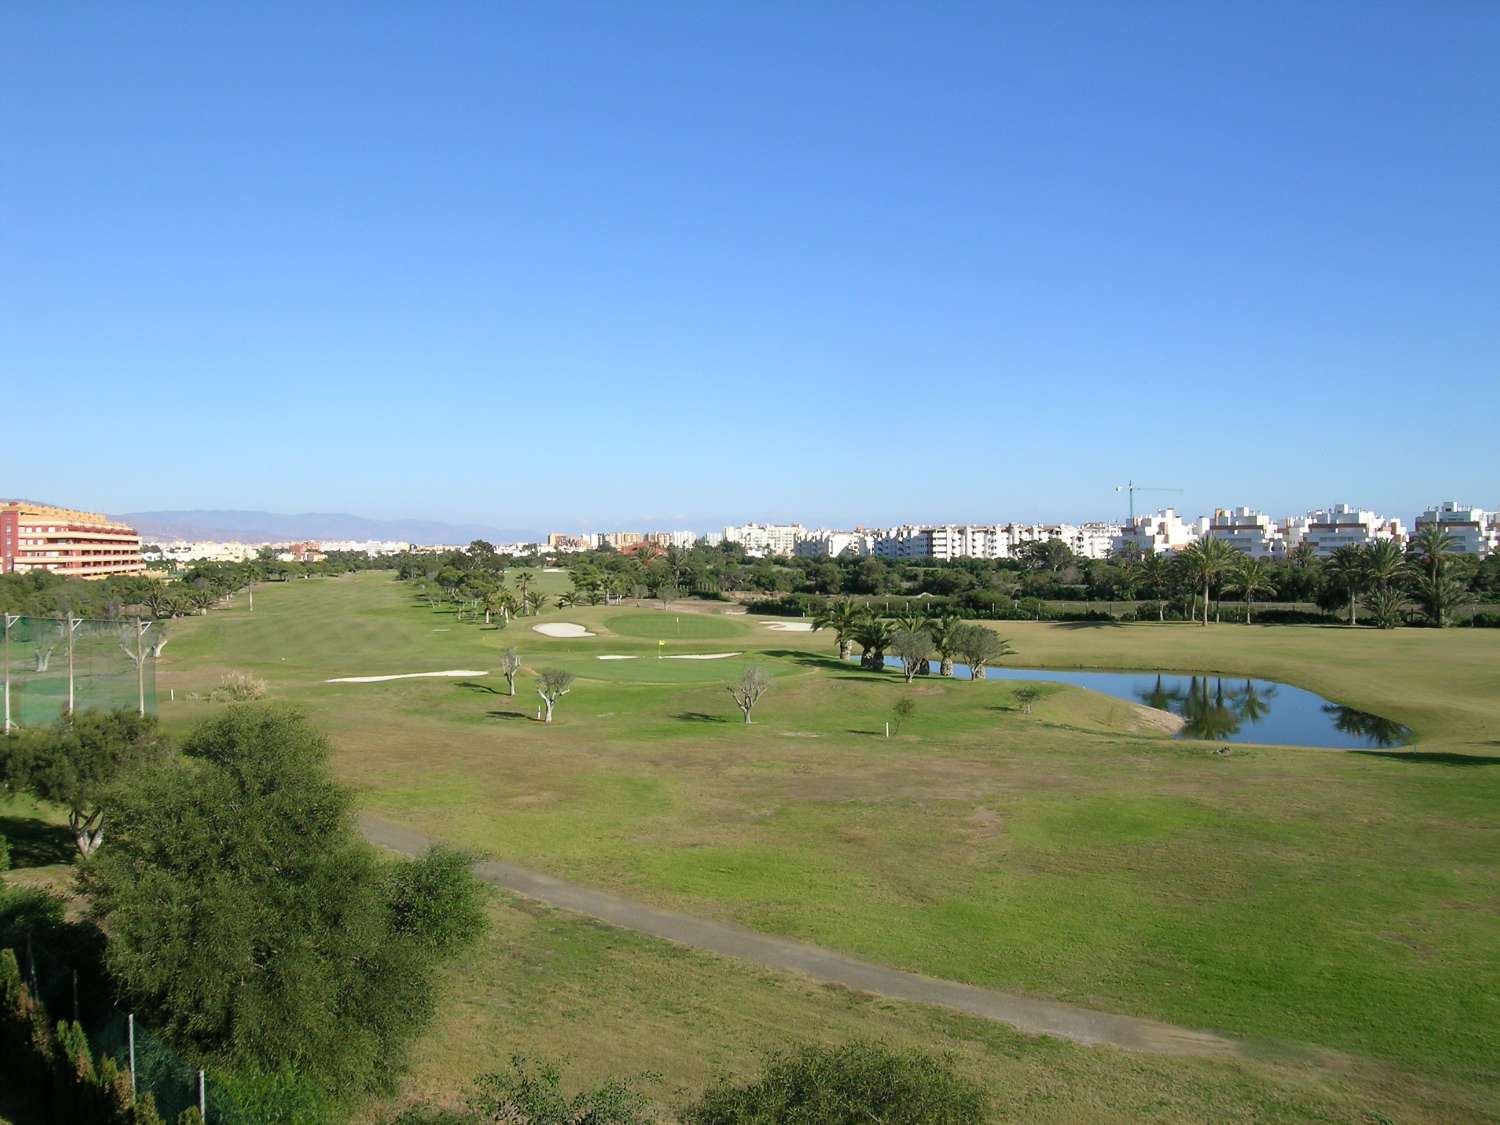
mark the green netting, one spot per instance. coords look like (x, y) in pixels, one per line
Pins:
(100, 671)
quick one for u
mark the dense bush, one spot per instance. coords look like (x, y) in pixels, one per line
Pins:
(855, 1084)
(238, 687)
(249, 922)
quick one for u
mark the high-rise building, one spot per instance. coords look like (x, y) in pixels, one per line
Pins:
(1328, 529)
(65, 541)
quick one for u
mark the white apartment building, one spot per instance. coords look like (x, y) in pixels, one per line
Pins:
(206, 551)
(1475, 531)
(1164, 533)
(1249, 531)
(761, 539)
(1328, 529)
(825, 544)
(375, 548)
(905, 542)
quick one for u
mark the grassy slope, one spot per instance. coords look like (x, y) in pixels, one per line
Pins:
(1294, 896)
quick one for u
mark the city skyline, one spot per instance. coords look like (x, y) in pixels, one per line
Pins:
(483, 264)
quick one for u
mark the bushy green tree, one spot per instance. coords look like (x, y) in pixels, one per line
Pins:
(76, 760)
(247, 918)
(856, 1084)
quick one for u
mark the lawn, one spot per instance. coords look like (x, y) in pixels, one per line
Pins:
(1338, 911)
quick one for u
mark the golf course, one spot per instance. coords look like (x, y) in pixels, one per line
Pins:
(1332, 916)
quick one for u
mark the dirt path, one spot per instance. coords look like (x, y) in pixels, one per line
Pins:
(1042, 1017)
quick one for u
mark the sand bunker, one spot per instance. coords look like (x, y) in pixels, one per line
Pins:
(406, 676)
(789, 626)
(561, 629)
(704, 656)
(617, 658)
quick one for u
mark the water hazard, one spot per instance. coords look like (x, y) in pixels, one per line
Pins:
(1228, 708)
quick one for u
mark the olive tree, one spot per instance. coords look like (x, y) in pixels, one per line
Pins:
(980, 647)
(914, 647)
(75, 761)
(753, 684)
(552, 684)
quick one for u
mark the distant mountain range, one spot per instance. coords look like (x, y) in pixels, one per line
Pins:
(256, 527)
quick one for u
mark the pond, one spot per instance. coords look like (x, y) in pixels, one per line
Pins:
(1227, 708)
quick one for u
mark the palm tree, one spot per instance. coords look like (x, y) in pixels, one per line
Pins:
(1386, 605)
(843, 617)
(872, 635)
(1207, 561)
(945, 639)
(1430, 545)
(913, 620)
(535, 602)
(1157, 574)
(1250, 576)
(1347, 569)
(1438, 593)
(1386, 565)
(508, 605)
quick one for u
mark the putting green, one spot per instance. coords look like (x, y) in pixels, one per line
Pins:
(670, 625)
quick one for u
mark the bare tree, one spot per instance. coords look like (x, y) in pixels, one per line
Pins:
(552, 684)
(510, 664)
(46, 645)
(914, 647)
(753, 684)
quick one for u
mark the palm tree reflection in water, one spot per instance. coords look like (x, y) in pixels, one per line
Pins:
(1213, 710)
(1379, 731)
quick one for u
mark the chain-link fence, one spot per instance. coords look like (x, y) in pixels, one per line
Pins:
(54, 665)
(67, 982)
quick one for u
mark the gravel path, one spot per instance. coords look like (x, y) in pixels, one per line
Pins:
(1042, 1017)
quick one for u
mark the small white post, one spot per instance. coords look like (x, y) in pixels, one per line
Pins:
(252, 600)
(202, 1103)
(171, 695)
(888, 728)
(130, 1023)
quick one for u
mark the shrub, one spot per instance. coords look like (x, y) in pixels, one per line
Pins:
(238, 687)
(855, 1084)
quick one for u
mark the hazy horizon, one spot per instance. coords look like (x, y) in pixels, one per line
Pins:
(574, 267)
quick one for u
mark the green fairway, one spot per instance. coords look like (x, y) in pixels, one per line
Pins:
(1303, 900)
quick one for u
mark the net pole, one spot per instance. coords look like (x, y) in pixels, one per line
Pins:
(10, 621)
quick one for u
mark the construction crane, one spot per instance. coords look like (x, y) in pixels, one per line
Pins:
(1132, 488)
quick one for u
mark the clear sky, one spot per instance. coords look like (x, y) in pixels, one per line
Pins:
(558, 264)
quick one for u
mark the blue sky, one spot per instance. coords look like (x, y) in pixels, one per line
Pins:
(561, 265)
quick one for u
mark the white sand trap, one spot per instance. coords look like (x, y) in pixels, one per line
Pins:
(617, 658)
(407, 676)
(704, 656)
(561, 629)
(789, 626)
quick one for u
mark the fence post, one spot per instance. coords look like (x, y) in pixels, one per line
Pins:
(202, 1102)
(10, 623)
(130, 1024)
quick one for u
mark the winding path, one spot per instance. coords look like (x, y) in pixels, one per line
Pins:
(1041, 1017)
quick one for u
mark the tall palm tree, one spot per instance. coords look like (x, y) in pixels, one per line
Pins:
(1439, 593)
(945, 638)
(1208, 560)
(1348, 570)
(1250, 576)
(843, 617)
(1386, 565)
(1430, 546)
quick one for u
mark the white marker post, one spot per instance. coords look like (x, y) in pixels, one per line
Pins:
(130, 1024)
